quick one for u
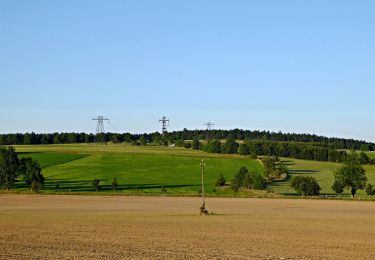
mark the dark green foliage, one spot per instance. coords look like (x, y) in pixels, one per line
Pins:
(306, 185)
(240, 176)
(238, 179)
(157, 139)
(180, 143)
(142, 140)
(306, 151)
(31, 172)
(135, 143)
(220, 181)
(115, 139)
(370, 189)
(187, 145)
(235, 186)
(9, 167)
(114, 184)
(299, 146)
(243, 149)
(195, 144)
(352, 174)
(230, 146)
(253, 155)
(248, 180)
(35, 186)
(213, 146)
(363, 158)
(365, 147)
(259, 182)
(72, 138)
(269, 165)
(239, 134)
(372, 161)
(96, 184)
(99, 138)
(338, 187)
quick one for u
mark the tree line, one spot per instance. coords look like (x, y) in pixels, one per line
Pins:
(172, 137)
(305, 151)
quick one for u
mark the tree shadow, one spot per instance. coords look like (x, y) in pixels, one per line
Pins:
(86, 185)
(28, 152)
(302, 171)
(287, 162)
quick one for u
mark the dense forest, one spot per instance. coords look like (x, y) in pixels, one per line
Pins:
(173, 137)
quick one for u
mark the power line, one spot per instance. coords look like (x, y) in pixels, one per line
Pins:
(100, 124)
(208, 130)
(165, 123)
(100, 136)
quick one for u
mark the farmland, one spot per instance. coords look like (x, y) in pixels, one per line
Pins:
(148, 169)
(117, 227)
(72, 168)
(322, 171)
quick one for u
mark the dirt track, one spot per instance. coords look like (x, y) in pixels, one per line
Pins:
(96, 227)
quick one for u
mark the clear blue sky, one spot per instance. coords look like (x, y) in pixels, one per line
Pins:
(294, 66)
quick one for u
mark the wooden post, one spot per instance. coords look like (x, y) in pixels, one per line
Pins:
(202, 166)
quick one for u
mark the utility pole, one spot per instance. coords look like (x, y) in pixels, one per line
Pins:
(165, 123)
(208, 130)
(100, 127)
(203, 164)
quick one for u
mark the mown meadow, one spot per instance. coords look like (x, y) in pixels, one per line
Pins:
(160, 170)
(72, 168)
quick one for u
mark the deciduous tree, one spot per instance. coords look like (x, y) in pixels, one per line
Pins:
(9, 167)
(352, 174)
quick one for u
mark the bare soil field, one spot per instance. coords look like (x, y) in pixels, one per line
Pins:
(110, 227)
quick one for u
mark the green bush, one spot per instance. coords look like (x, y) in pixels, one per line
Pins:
(195, 144)
(213, 146)
(248, 180)
(370, 189)
(253, 155)
(220, 181)
(96, 184)
(35, 186)
(230, 146)
(306, 185)
(180, 143)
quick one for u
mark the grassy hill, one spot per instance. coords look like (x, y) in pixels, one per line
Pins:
(138, 169)
(147, 169)
(322, 171)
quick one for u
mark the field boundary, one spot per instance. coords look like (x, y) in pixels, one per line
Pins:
(145, 194)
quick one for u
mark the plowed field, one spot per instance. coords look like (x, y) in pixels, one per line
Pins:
(97, 227)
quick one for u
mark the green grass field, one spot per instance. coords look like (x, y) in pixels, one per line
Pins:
(322, 171)
(138, 169)
(145, 170)
(47, 159)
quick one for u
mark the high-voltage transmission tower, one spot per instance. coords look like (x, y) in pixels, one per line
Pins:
(165, 123)
(100, 128)
(208, 130)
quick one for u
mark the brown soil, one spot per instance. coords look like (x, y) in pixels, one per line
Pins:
(96, 227)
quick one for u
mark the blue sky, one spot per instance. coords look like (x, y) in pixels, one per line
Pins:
(294, 66)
